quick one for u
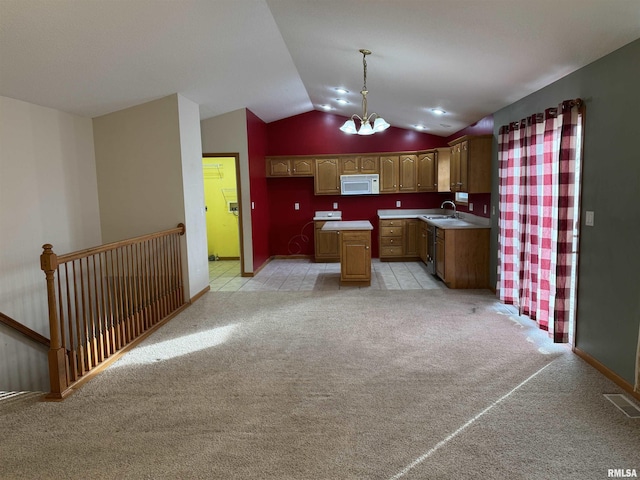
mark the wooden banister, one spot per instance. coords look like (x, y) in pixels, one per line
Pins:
(24, 330)
(102, 299)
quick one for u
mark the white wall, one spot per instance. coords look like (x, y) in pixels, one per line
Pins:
(48, 194)
(147, 180)
(193, 186)
(228, 134)
(139, 169)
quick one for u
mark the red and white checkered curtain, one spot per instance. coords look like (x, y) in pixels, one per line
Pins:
(537, 159)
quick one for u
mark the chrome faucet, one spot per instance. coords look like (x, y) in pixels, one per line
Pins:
(455, 212)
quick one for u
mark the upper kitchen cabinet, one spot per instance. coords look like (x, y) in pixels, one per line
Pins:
(471, 164)
(288, 167)
(408, 170)
(357, 164)
(427, 180)
(433, 173)
(389, 171)
(327, 177)
(398, 173)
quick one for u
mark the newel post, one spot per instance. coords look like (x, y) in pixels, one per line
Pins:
(57, 361)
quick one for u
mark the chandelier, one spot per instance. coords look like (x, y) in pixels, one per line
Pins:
(369, 124)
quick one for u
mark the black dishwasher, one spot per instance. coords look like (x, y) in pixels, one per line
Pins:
(431, 249)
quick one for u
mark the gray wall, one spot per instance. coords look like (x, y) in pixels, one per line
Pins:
(608, 317)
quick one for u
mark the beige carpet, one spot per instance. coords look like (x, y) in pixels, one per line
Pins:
(347, 384)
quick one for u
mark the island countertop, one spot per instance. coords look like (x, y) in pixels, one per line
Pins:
(348, 225)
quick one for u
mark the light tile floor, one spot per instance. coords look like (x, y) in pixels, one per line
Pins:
(304, 274)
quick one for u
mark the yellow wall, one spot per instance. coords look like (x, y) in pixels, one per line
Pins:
(219, 188)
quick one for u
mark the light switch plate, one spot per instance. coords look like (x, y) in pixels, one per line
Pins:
(296, 206)
(588, 219)
(471, 207)
(485, 209)
(335, 205)
(398, 203)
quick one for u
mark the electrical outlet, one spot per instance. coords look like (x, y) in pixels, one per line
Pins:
(493, 209)
(253, 205)
(296, 206)
(588, 220)
(485, 209)
(398, 203)
(471, 207)
(335, 205)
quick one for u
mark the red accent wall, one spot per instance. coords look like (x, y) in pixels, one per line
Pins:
(257, 146)
(291, 230)
(317, 133)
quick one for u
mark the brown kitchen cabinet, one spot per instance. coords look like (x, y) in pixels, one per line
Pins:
(355, 257)
(411, 237)
(462, 257)
(290, 167)
(327, 244)
(427, 180)
(391, 239)
(327, 178)
(470, 164)
(359, 164)
(398, 173)
(407, 173)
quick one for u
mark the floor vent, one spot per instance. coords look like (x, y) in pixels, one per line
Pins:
(629, 408)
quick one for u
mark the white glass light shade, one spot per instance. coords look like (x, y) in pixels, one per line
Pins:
(365, 129)
(349, 127)
(380, 124)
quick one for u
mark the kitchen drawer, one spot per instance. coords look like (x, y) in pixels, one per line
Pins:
(440, 233)
(388, 251)
(398, 222)
(391, 241)
(391, 231)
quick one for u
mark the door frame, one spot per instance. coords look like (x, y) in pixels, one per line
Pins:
(236, 156)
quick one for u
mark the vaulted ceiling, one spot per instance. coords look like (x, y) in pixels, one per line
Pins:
(284, 57)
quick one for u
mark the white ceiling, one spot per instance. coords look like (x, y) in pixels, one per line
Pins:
(284, 57)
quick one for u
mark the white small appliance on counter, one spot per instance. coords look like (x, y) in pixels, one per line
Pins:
(368, 184)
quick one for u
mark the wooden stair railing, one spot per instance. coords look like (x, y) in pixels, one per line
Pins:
(103, 298)
(24, 330)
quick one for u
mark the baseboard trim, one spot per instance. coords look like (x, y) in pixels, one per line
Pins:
(200, 294)
(292, 257)
(607, 372)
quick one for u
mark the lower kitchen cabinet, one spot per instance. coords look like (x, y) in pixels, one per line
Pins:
(391, 238)
(462, 257)
(355, 257)
(399, 238)
(327, 244)
(411, 237)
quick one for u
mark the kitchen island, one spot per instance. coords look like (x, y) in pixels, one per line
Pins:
(355, 250)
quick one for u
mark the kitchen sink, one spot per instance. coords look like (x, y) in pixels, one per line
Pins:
(436, 217)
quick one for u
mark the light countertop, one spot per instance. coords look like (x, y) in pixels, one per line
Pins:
(349, 225)
(328, 215)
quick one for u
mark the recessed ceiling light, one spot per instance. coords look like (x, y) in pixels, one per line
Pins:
(342, 101)
(438, 111)
(341, 90)
(445, 125)
(420, 127)
(326, 107)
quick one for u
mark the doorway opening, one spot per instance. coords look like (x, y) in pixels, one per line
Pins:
(223, 211)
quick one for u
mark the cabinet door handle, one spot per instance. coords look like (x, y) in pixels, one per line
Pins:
(366, 247)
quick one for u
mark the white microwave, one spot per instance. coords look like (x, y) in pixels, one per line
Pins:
(359, 184)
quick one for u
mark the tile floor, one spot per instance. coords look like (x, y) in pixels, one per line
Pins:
(304, 274)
